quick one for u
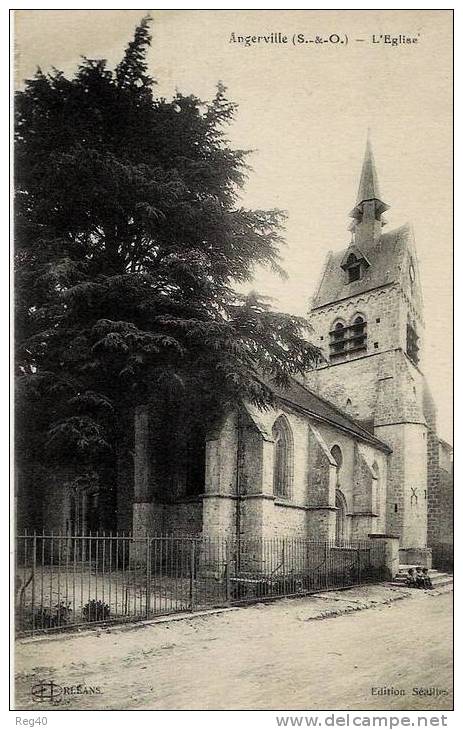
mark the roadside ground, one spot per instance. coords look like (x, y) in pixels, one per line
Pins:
(335, 650)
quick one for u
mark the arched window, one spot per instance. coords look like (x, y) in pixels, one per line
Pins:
(282, 458)
(341, 518)
(338, 340)
(345, 339)
(358, 337)
(336, 453)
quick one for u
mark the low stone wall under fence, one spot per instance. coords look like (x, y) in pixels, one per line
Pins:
(65, 581)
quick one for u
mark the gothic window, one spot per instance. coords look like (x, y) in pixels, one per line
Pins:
(412, 343)
(282, 458)
(336, 453)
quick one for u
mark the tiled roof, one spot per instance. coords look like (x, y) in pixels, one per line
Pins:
(304, 399)
(385, 258)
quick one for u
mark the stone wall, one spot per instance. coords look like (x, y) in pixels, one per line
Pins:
(406, 507)
(434, 500)
(443, 533)
(440, 505)
(184, 517)
(375, 389)
(415, 487)
(239, 479)
(386, 393)
(380, 304)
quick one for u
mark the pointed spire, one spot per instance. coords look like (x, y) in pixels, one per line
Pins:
(369, 186)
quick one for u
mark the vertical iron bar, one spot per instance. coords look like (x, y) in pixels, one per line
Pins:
(81, 544)
(66, 583)
(42, 577)
(51, 576)
(110, 569)
(58, 610)
(148, 575)
(89, 571)
(74, 557)
(117, 544)
(34, 562)
(192, 563)
(228, 569)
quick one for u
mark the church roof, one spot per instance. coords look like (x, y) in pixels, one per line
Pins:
(304, 399)
(385, 258)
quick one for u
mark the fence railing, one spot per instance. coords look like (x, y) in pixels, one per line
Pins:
(64, 581)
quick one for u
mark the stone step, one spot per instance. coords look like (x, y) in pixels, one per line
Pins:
(432, 573)
(406, 568)
(438, 580)
(434, 578)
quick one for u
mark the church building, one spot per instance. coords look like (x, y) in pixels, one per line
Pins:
(351, 451)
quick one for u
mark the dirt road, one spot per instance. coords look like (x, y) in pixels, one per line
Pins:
(272, 656)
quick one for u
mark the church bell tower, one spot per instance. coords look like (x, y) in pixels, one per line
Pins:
(367, 317)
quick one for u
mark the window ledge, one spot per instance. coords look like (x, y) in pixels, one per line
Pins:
(282, 502)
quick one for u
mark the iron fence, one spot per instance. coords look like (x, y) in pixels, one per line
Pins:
(64, 581)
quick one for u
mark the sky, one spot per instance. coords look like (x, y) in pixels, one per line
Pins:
(305, 110)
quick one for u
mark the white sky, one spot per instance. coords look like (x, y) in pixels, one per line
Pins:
(306, 110)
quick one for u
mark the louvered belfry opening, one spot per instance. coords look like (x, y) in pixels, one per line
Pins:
(346, 339)
(412, 343)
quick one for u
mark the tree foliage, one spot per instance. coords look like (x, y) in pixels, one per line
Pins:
(130, 241)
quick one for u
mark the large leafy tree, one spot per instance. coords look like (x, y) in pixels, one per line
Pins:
(129, 242)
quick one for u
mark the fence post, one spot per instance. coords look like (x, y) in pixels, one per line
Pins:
(283, 565)
(148, 575)
(34, 562)
(327, 561)
(359, 570)
(192, 572)
(227, 571)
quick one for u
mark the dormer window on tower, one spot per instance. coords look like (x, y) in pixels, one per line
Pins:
(354, 264)
(353, 268)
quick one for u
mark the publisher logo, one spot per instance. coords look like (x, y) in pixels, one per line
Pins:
(53, 694)
(47, 692)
